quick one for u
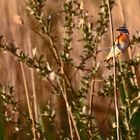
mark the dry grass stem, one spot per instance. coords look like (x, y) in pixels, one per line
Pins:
(28, 101)
(115, 74)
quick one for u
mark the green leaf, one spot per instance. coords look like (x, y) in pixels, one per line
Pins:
(135, 121)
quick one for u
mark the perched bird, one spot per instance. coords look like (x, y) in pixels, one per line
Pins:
(121, 43)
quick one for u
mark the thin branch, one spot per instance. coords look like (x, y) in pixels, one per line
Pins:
(70, 115)
(33, 84)
(67, 103)
(105, 118)
(68, 111)
(115, 75)
(28, 100)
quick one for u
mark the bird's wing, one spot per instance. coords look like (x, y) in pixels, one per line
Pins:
(111, 53)
(114, 48)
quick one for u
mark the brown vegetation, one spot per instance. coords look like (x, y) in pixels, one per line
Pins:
(21, 29)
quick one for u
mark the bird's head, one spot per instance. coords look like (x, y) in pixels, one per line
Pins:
(123, 29)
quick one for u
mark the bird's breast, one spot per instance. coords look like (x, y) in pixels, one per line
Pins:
(123, 42)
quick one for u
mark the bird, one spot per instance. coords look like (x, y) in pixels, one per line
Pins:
(121, 43)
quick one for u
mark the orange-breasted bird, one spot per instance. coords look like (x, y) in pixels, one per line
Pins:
(121, 43)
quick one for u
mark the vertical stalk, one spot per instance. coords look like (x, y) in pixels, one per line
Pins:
(115, 75)
(70, 115)
(33, 84)
(2, 132)
(28, 101)
(68, 107)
